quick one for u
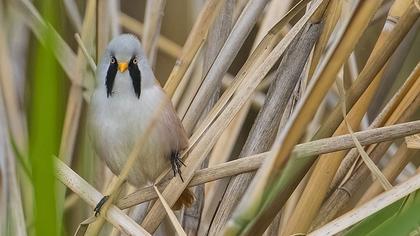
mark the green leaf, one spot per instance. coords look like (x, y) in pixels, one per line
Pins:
(400, 218)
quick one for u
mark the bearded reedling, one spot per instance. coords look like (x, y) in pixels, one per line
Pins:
(121, 108)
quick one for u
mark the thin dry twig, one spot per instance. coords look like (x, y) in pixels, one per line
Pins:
(91, 196)
(304, 150)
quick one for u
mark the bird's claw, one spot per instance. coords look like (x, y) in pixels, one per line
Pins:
(176, 164)
(98, 206)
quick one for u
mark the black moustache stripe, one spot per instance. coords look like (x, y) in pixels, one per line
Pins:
(135, 75)
(110, 77)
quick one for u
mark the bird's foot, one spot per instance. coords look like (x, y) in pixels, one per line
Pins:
(176, 164)
(98, 206)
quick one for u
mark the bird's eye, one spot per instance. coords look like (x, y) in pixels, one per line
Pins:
(135, 61)
(113, 60)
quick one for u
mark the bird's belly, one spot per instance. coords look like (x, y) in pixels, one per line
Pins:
(149, 164)
(115, 137)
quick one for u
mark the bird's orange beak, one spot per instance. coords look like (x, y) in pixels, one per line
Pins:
(122, 66)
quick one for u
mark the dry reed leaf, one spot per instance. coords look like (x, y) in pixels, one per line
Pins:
(365, 157)
(75, 100)
(339, 198)
(413, 142)
(63, 53)
(264, 130)
(73, 13)
(248, 209)
(91, 196)
(326, 167)
(199, 152)
(332, 15)
(369, 208)
(391, 171)
(224, 59)
(85, 52)
(152, 22)
(194, 41)
(15, 121)
(177, 226)
(303, 150)
(217, 35)
(380, 120)
(257, 58)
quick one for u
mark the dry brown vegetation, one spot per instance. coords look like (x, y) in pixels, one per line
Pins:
(303, 118)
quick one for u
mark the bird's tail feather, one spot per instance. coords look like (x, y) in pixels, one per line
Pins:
(186, 199)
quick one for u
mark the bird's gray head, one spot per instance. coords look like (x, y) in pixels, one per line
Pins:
(124, 67)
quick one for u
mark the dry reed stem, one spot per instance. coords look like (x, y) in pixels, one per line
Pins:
(304, 150)
(15, 142)
(349, 160)
(365, 157)
(12, 218)
(222, 62)
(394, 65)
(391, 171)
(220, 154)
(224, 146)
(103, 27)
(267, 45)
(152, 22)
(367, 75)
(331, 15)
(326, 167)
(322, 80)
(324, 170)
(264, 130)
(275, 11)
(201, 149)
(62, 52)
(82, 46)
(75, 99)
(217, 35)
(307, 149)
(413, 142)
(15, 121)
(114, 10)
(340, 197)
(166, 45)
(91, 196)
(194, 41)
(369, 208)
(172, 217)
(73, 14)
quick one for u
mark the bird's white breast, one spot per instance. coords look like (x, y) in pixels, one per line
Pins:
(118, 122)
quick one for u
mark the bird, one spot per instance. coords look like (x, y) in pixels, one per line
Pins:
(121, 107)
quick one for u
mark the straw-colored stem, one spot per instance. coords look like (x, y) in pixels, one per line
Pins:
(322, 81)
(152, 22)
(231, 102)
(341, 196)
(391, 171)
(166, 45)
(224, 59)
(195, 39)
(252, 163)
(264, 130)
(91, 196)
(369, 208)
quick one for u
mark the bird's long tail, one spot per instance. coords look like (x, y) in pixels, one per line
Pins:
(186, 199)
